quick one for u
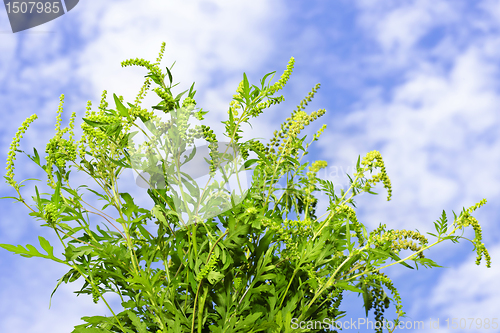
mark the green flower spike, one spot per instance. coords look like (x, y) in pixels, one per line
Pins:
(13, 149)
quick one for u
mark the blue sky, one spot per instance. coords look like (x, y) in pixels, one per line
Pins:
(416, 80)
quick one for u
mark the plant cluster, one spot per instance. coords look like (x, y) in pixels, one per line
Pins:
(252, 267)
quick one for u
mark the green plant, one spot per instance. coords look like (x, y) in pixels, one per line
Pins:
(256, 260)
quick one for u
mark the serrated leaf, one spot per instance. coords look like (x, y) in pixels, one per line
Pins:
(160, 214)
(214, 277)
(141, 327)
(46, 246)
(73, 252)
(427, 262)
(31, 251)
(36, 157)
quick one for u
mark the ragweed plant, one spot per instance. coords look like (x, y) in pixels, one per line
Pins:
(261, 260)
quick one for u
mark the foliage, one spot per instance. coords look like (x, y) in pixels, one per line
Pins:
(254, 266)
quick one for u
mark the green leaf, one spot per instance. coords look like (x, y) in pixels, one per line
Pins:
(128, 198)
(71, 252)
(214, 277)
(179, 96)
(120, 163)
(141, 327)
(249, 163)
(199, 115)
(46, 246)
(120, 107)
(396, 258)
(71, 276)
(160, 106)
(169, 74)
(346, 286)
(20, 200)
(426, 262)
(367, 299)
(191, 93)
(94, 123)
(90, 330)
(263, 81)
(38, 199)
(160, 214)
(144, 232)
(156, 78)
(237, 236)
(246, 86)
(449, 237)
(348, 235)
(30, 251)
(391, 254)
(249, 320)
(255, 93)
(263, 158)
(36, 157)
(56, 197)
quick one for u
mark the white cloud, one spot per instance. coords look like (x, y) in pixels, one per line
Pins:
(434, 124)
(473, 289)
(436, 127)
(423, 126)
(212, 42)
(401, 26)
(397, 27)
(27, 300)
